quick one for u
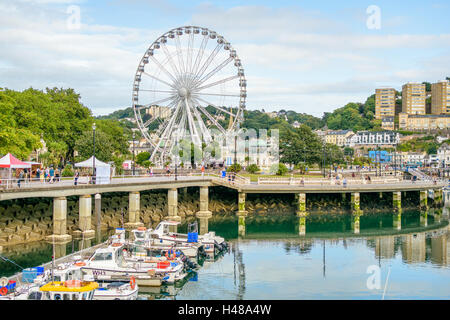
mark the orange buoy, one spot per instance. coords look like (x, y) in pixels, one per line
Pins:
(132, 282)
(116, 244)
(80, 263)
(142, 228)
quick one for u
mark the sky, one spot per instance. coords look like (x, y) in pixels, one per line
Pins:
(307, 56)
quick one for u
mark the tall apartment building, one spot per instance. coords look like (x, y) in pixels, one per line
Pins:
(384, 103)
(413, 98)
(440, 97)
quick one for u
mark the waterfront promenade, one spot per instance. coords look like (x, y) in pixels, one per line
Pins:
(59, 191)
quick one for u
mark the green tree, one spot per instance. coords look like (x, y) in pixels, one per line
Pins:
(142, 157)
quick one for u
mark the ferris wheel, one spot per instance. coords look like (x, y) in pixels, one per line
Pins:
(189, 81)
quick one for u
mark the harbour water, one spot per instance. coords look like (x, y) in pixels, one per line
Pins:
(332, 260)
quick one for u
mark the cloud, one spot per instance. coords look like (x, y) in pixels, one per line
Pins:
(292, 56)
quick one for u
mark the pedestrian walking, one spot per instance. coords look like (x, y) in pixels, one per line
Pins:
(57, 175)
(38, 174)
(52, 174)
(21, 174)
(77, 175)
(344, 182)
(47, 174)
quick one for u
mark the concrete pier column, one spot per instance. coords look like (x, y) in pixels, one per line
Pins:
(204, 214)
(98, 209)
(423, 199)
(59, 221)
(356, 208)
(355, 223)
(438, 197)
(397, 200)
(241, 213)
(172, 207)
(423, 218)
(301, 213)
(397, 220)
(302, 225)
(301, 204)
(134, 208)
(85, 213)
(60, 250)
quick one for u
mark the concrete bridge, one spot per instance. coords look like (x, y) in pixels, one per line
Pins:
(134, 185)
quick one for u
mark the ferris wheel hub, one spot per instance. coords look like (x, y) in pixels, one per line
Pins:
(183, 92)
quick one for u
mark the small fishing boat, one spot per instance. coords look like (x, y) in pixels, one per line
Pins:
(68, 290)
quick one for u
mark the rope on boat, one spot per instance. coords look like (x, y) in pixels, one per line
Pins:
(8, 260)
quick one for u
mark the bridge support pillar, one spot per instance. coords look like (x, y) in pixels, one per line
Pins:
(172, 207)
(98, 209)
(355, 223)
(85, 213)
(423, 199)
(438, 196)
(356, 208)
(134, 208)
(241, 213)
(204, 214)
(397, 220)
(59, 221)
(397, 200)
(301, 213)
(424, 218)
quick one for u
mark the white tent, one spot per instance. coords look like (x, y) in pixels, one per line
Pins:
(103, 170)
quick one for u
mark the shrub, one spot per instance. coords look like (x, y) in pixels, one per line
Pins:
(67, 171)
(279, 169)
(253, 168)
(234, 168)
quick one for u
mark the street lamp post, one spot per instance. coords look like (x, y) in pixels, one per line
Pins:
(176, 158)
(133, 154)
(93, 158)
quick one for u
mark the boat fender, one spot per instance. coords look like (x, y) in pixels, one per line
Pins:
(3, 291)
(80, 263)
(132, 282)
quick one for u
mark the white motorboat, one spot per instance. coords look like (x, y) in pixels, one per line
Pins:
(143, 238)
(209, 240)
(109, 264)
(117, 291)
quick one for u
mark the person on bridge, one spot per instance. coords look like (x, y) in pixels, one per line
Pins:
(77, 175)
(52, 175)
(21, 174)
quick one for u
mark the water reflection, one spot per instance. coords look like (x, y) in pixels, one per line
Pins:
(276, 259)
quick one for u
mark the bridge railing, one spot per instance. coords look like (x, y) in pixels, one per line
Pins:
(86, 180)
(327, 182)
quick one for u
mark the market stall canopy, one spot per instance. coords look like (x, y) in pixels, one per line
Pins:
(102, 170)
(9, 161)
(88, 163)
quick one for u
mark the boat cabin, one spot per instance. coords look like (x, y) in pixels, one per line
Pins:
(69, 290)
(163, 227)
(110, 256)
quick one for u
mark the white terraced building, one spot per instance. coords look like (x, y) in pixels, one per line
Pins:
(443, 154)
(369, 138)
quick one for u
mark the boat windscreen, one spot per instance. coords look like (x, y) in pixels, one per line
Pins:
(102, 256)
